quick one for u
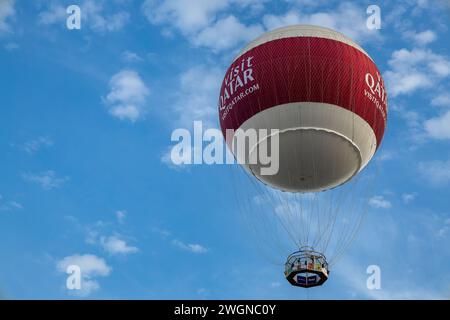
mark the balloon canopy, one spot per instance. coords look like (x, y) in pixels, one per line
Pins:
(322, 92)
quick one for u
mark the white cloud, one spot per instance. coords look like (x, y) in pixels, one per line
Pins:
(385, 155)
(116, 245)
(408, 197)
(99, 234)
(436, 172)
(380, 202)
(54, 14)
(422, 38)
(91, 267)
(199, 87)
(226, 33)
(129, 56)
(92, 235)
(35, 145)
(9, 205)
(6, 12)
(414, 122)
(196, 101)
(441, 100)
(415, 69)
(93, 15)
(277, 21)
(308, 3)
(439, 127)
(127, 99)
(186, 15)
(444, 229)
(164, 233)
(251, 6)
(348, 19)
(198, 21)
(47, 179)
(98, 21)
(121, 215)
(191, 247)
(397, 289)
(405, 83)
(189, 16)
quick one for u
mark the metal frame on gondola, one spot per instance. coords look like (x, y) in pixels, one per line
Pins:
(306, 268)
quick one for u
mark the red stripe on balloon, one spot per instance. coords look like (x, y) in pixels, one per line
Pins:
(303, 69)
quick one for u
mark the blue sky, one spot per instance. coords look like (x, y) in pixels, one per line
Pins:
(85, 123)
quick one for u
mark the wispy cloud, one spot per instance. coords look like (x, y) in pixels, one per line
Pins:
(408, 197)
(196, 101)
(55, 13)
(444, 230)
(380, 202)
(100, 21)
(348, 18)
(436, 172)
(413, 120)
(91, 267)
(103, 234)
(226, 33)
(415, 69)
(385, 155)
(190, 247)
(116, 245)
(167, 235)
(439, 127)
(187, 16)
(397, 289)
(203, 23)
(197, 98)
(7, 11)
(129, 56)
(421, 38)
(441, 100)
(9, 205)
(198, 21)
(33, 146)
(47, 179)
(95, 15)
(164, 233)
(127, 99)
(121, 215)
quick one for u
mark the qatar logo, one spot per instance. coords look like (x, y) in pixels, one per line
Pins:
(377, 92)
(237, 78)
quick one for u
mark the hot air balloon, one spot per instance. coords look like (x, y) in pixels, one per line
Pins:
(326, 99)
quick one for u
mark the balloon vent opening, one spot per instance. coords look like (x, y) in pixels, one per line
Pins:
(306, 268)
